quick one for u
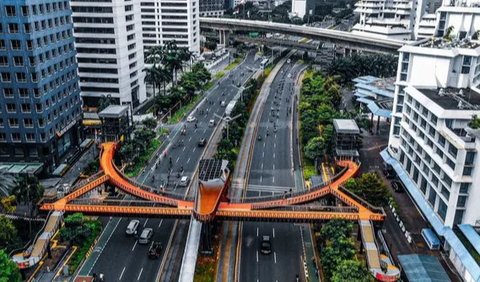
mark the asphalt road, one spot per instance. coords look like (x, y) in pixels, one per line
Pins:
(122, 258)
(271, 173)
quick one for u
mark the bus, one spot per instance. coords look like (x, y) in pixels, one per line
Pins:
(264, 63)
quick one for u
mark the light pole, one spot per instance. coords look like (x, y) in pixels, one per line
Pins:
(228, 120)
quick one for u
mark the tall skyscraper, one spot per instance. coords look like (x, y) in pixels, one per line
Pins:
(39, 93)
(108, 40)
(169, 20)
(431, 147)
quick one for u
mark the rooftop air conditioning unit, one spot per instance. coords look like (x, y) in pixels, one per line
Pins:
(460, 93)
(441, 92)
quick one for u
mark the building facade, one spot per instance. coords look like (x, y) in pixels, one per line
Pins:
(430, 146)
(39, 93)
(212, 8)
(169, 20)
(397, 19)
(109, 51)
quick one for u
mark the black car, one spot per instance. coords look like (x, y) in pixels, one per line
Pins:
(398, 186)
(266, 245)
(155, 250)
(202, 142)
(388, 171)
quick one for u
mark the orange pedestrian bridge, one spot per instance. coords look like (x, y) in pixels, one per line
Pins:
(210, 201)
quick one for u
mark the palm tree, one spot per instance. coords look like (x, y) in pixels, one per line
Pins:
(155, 55)
(150, 77)
(7, 182)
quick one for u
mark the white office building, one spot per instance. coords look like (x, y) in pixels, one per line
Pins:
(169, 20)
(398, 19)
(109, 51)
(430, 146)
(299, 8)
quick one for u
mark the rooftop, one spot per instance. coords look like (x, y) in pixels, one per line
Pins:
(113, 111)
(423, 268)
(441, 43)
(348, 126)
(454, 98)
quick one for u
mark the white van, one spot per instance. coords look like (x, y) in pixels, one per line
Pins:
(211, 123)
(132, 226)
(223, 104)
(184, 181)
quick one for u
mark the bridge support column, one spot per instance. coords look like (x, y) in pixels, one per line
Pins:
(223, 37)
(206, 245)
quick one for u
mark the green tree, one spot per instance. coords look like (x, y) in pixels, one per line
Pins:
(315, 148)
(106, 101)
(28, 191)
(9, 271)
(352, 271)
(77, 228)
(7, 182)
(369, 187)
(8, 233)
(211, 45)
(150, 123)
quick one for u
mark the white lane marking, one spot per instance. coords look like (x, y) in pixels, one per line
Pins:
(261, 178)
(262, 166)
(140, 274)
(190, 139)
(274, 145)
(161, 221)
(183, 150)
(188, 160)
(275, 256)
(273, 179)
(257, 256)
(263, 144)
(263, 154)
(275, 136)
(121, 274)
(273, 166)
(274, 155)
(145, 223)
(257, 231)
(177, 159)
(134, 245)
(194, 148)
(273, 230)
(205, 131)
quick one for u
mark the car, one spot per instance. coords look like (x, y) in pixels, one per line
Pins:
(223, 104)
(191, 119)
(155, 250)
(145, 236)
(266, 245)
(132, 227)
(211, 123)
(398, 186)
(388, 171)
(202, 142)
(289, 75)
(184, 181)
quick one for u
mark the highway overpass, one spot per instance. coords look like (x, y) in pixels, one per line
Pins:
(346, 39)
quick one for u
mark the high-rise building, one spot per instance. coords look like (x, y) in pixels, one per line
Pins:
(39, 93)
(212, 8)
(169, 20)
(109, 47)
(398, 19)
(430, 145)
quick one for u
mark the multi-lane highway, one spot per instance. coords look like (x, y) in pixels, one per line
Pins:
(271, 173)
(122, 258)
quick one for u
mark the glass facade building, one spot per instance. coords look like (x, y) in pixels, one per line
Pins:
(40, 104)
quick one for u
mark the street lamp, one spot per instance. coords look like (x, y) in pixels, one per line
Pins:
(228, 120)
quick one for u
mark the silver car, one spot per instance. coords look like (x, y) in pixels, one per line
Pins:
(145, 237)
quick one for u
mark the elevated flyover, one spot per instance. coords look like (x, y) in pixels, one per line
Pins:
(347, 39)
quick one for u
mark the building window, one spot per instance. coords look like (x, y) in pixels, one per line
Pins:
(16, 137)
(462, 200)
(18, 61)
(13, 28)
(469, 158)
(10, 11)
(467, 171)
(15, 44)
(464, 188)
(3, 61)
(442, 210)
(13, 122)
(6, 77)
(458, 217)
(21, 77)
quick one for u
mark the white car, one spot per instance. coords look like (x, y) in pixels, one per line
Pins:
(191, 118)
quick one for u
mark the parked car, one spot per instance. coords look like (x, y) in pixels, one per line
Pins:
(398, 186)
(155, 250)
(202, 142)
(266, 245)
(191, 118)
(145, 236)
(388, 171)
(132, 227)
(211, 123)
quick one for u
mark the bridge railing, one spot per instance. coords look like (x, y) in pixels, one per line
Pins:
(161, 192)
(316, 208)
(132, 203)
(364, 203)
